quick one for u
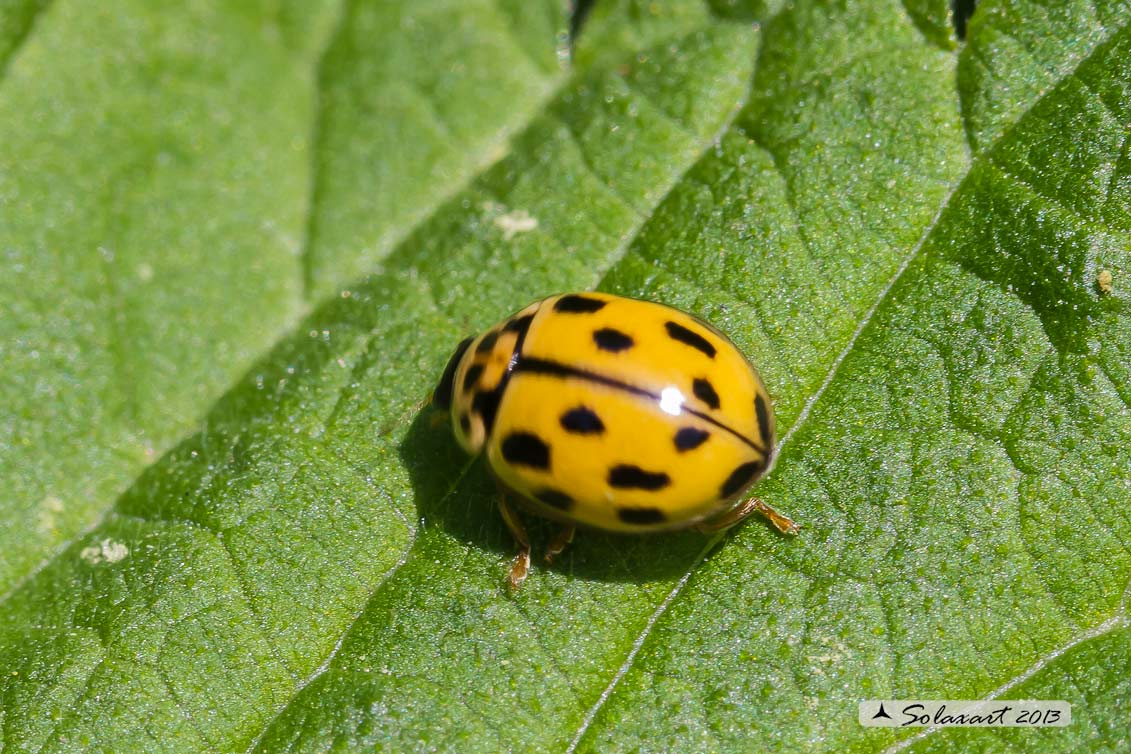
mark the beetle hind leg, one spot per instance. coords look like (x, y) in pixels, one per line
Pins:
(560, 541)
(520, 566)
(782, 523)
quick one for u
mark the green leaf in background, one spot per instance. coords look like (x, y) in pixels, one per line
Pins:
(416, 99)
(155, 189)
(907, 237)
(153, 194)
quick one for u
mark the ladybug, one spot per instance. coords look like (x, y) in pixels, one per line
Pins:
(611, 413)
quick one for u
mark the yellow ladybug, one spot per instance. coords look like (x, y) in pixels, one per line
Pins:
(612, 413)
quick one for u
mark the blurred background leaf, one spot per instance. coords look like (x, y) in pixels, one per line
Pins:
(239, 243)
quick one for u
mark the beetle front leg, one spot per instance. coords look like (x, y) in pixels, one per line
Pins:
(782, 523)
(560, 541)
(520, 566)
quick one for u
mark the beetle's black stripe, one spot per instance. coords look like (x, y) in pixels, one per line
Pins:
(534, 365)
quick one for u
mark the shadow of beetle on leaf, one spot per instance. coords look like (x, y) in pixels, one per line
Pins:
(458, 494)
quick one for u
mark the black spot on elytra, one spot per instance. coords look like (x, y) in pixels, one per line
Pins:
(627, 476)
(519, 325)
(641, 516)
(465, 423)
(488, 342)
(582, 421)
(705, 392)
(574, 304)
(442, 395)
(763, 414)
(690, 438)
(741, 477)
(486, 404)
(526, 449)
(471, 377)
(555, 498)
(608, 339)
(690, 338)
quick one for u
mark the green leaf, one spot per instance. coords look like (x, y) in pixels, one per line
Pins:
(906, 238)
(416, 99)
(153, 182)
(16, 18)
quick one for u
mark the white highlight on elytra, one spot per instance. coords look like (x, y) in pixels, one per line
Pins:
(671, 401)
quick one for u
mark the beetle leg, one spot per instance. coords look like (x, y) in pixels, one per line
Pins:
(784, 524)
(560, 541)
(520, 566)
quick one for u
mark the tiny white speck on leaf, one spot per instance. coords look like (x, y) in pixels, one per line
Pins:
(515, 222)
(49, 509)
(106, 551)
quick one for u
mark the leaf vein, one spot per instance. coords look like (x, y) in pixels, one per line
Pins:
(591, 713)
(883, 295)
(790, 194)
(1115, 623)
(489, 153)
(349, 627)
(586, 163)
(72, 711)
